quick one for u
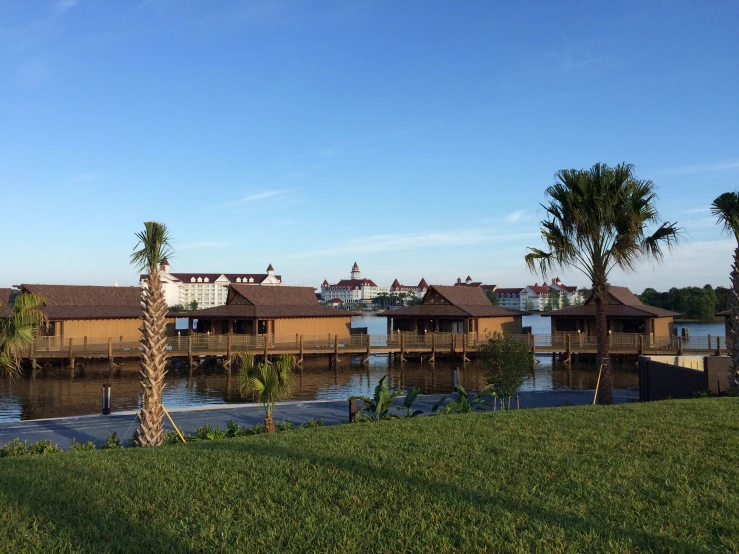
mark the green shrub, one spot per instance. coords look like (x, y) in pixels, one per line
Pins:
(283, 425)
(14, 448)
(377, 407)
(463, 404)
(43, 447)
(508, 362)
(315, 422)
(82, 447)
(207, 433)
(112, 442)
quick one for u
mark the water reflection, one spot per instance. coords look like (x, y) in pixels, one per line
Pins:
(56, 395)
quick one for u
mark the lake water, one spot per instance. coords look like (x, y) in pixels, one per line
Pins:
(56, 396)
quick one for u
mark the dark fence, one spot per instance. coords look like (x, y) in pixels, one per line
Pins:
(659, 380)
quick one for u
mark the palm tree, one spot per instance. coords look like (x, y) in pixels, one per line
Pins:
(17, 330)
(151, 249)
(726, 210)
(266, 383)
(598, 219)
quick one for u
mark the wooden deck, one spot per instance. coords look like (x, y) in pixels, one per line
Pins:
(404, 345)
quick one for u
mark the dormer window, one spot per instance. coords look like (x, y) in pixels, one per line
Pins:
(206, 280)
(238, 279)
(192, 279)
(200, 279)
(251, 279)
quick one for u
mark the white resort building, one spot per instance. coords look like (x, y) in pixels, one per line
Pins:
(207, 289)
(354, 290)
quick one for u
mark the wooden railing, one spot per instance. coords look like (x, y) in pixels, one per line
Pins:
(203, 344)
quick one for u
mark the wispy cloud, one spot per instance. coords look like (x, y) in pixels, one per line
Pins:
(410, 241)
(727, 166)
(65, 5)
(257, 198)
(202, 244)
(513, 217)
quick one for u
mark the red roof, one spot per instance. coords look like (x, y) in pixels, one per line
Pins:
(539, 289)
(355, 267)
(353, 283)
(423, 284)
(396, 284)
(336, 301)
(187, 277)
(508, 291)
(270, 268)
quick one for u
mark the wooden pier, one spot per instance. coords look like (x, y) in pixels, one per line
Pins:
(428, 346)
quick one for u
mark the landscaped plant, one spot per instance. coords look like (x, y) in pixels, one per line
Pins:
(599, 219)
(267, 383)
(153, 249)
(377, 407)
(207, 433)
(18, 448)
(112, 442)
(726, 209)
(407, 407)
(508, 363)
(16, 331)
(82, 447)
(463, 404)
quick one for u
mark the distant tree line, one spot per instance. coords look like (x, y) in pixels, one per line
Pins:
(692, 302)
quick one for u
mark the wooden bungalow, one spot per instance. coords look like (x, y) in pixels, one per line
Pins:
(625, 313)
(450, 309)
(726, 314)
(76, 312)
(279, 311)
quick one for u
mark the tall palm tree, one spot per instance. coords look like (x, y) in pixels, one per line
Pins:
(151, 249)
(598, 219)
(726, 210)
(266, 383)
(17, 330)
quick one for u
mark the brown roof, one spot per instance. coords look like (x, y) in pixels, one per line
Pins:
(423, 284)
(621, 303)
(612, 310)
(353, 283)
(188, 277)
(270, 268)
(725, 313)
(270, 302)
(88, 302)
(5, 296)
(463, 302)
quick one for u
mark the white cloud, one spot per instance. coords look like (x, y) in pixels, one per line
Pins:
(65, 5)
(410, 241)
(513, 217)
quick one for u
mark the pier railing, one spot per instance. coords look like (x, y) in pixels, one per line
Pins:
(199, 344)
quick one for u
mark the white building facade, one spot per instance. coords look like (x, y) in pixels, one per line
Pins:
(207, 289)
(354, 290)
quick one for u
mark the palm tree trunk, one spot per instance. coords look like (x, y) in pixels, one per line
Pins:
(269, 424)
(605, 391)
(153, 343)
(734, 322)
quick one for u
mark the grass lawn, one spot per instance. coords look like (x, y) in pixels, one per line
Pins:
(640, 477)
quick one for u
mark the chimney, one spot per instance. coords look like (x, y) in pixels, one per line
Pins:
(164, 266)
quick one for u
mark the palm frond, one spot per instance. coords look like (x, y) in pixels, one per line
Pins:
(152, 247)
(726, 210)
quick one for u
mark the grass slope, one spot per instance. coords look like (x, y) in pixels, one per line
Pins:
(640, 477)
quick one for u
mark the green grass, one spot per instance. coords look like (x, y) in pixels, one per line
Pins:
(641, 477)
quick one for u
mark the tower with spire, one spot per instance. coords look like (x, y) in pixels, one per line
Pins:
(356, 274)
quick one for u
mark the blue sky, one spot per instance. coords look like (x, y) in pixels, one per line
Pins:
(416, 138)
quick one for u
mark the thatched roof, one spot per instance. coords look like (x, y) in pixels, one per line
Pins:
(88, 302)
(621, 303)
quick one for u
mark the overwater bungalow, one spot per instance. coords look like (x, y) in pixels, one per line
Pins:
(625, 313)
(279, 311)
(450, 309)
(75, 312)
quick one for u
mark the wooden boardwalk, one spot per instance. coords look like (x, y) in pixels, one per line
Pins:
(404, 345)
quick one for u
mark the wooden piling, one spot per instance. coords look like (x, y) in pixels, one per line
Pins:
(228, 356)
(189, 357)
(433, 348)
(641, 344)
(402, 348)
(710, 342)
(110, 357)
(71, 360)
(336, 350)
(679, 346)
(300, 361)
(718, 346)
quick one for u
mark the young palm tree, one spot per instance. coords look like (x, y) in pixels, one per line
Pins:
(726, 210)
(266, 383)
(149, 252)
(599, 219)
(16, 331)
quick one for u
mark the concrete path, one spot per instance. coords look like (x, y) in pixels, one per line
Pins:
(96, 428)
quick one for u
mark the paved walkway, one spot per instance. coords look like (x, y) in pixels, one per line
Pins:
(96, 428)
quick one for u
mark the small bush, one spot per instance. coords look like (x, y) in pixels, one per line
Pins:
(43, 447)
(315, 422)
(508, 363)
(14, 448)
(82, 447)
(112, 442)
(207, 433)
(283, 425)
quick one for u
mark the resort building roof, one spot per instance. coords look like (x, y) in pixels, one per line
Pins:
(621, 303)
(245, 301)
(5, 295)
(88, 302)
(453, 301)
